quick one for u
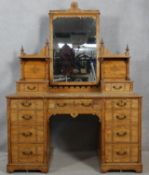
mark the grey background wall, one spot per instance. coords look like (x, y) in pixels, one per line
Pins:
(26, 23)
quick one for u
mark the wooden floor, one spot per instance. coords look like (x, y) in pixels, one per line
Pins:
(75, 163)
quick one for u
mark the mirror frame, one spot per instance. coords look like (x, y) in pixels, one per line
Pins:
(74, 11)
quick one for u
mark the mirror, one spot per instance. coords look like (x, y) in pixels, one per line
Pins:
(74, 49)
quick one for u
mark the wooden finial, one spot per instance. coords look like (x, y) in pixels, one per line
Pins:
(47, 42)
(102, 42)
(22, 51)
(127, 50)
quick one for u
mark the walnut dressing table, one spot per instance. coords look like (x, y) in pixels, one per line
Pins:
(74, 74)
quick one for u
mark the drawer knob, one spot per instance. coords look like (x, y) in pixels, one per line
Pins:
(121, 103)
(122, 153)
(121, 134)
(31, 88)
(27, 134)
(26, 103)
(27, 153)
(117, 87)
(121, 117)
(27, 117)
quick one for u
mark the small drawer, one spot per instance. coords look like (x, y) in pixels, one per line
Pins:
(26, 104)
(122, 103)
(32, 87)
(26, 134)
(118, 103)
(117, 87)
(27, 117)
(121, 134)
(117, 117)
(27, 153)
(121, 153)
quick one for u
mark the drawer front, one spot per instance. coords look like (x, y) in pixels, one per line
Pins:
(114, 70)
(117, 87)
(117, 117)
(26, 117)
(26, 104)
(34, 70)
(32, 87)
(121, 153)
(122, 103)
(79, 105)
(26, 134)
(121, 134)
(27, 153)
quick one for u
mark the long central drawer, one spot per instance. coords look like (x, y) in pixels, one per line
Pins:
(81, 105)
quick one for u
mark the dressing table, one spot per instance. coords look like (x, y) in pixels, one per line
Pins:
(74, 74)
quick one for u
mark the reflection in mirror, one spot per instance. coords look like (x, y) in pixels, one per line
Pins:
(74, 49)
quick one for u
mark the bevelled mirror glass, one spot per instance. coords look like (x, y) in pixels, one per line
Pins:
(74, 49)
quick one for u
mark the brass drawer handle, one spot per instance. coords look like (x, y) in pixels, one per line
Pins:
(117, 87)
(27, 153)
(27, 134)
(31, 88)
(121, 103)
(122, 117)
(121, 134)
(86, 104)
(27, 117)
(26, 104)
(122, 153)
(61, 104)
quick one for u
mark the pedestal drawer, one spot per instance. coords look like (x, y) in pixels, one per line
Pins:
(27, 134)
(26, 104)
(26, 117)
(122, 103)
(121, 153)
(119, 134)
(27, 153)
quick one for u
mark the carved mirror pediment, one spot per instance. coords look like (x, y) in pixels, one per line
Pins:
(74, 38)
